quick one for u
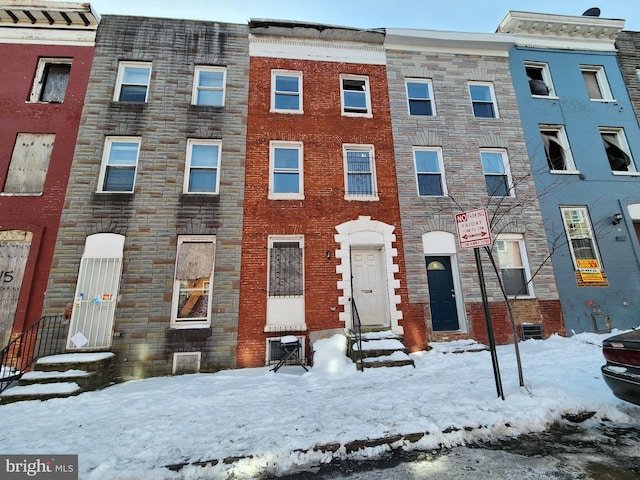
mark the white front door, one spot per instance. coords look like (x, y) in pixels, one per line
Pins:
(94, 305)
(369, 290)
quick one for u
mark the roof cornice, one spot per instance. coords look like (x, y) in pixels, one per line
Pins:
(449, 42)
(562, 31)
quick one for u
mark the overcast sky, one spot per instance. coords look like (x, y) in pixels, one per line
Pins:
(456, 15)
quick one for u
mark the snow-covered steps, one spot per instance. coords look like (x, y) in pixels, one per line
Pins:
(62, 376)
(380, 349)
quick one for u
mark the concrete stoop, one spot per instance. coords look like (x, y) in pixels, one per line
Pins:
(60, 376)
(380, 349)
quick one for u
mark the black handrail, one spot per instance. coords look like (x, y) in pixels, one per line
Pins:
(40, 339)
(357, 325)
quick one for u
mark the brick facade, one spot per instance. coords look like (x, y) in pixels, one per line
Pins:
(324, 130)
(157, 212)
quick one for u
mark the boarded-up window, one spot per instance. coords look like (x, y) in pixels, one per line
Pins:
(51, 80)
(14, 252)
(285, 269)
(193, 275)
(29, 163)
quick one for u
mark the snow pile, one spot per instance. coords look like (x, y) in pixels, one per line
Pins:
(277, 422)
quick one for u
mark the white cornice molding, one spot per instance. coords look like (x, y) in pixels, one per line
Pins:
(81, 38)
(439, 41)
(562, 31)
(318, 50)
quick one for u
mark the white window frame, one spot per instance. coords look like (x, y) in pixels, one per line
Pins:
(443, 183)
(493, 102)
(621, 142)
(270, 340)
(367, 95)
(432, 103)
(39, 80)
(346, 148)
(286, 73)
(601, 80)
(563, 141)
(108, 144)
(519, 238)
(507, 171)
(188, 167)
(546, 78)
(198, 69)
(587, 232)
(122, 66)
(191, 323)
(273, 171)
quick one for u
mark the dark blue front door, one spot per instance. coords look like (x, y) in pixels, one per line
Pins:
(442, 295)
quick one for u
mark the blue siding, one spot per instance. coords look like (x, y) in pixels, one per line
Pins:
(595, 187)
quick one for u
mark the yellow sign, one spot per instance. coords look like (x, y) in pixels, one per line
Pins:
(589, 263)
(591, 276)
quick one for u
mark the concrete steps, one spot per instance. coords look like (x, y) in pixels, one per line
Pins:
(60, 376)
(380, 349)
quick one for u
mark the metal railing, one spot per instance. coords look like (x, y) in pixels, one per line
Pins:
(42, 338)
(357, 333)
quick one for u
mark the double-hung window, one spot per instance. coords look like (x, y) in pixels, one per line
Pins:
(497, 175)
(429, 171)
(360, 175)
(420, 97)
(202, 173)
(193, 281)
(514, 266)
(355, 96)
(596, 82)
(285, 171)
(50, 84)
(132, 83)
(286, 91)
(539, 79)
(581, 239)
(483, 100)
(119, 164)
(556, 149)
(209, 86)
(617, 150)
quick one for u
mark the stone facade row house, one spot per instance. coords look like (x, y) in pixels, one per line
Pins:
(235, 184)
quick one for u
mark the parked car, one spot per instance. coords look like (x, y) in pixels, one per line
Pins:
(622, 370)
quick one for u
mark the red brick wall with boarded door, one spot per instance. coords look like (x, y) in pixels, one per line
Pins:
(323, 130)
(38, 213)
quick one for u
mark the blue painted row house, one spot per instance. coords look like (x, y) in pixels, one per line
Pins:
(583, 140)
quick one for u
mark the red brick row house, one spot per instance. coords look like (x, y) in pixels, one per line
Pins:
(46, 52)
(321, 216)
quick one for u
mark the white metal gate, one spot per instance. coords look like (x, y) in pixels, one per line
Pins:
(96, 293)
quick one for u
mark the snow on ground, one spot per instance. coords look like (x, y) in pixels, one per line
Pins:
(273, 420)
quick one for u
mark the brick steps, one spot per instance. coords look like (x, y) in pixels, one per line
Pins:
(60, 376)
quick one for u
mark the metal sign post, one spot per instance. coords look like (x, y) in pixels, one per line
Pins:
(474, 232)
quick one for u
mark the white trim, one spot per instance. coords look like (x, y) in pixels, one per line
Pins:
(278, 144)
(429, 84)
(318, 50)
(494, 101)
(33, 36)
(601, 80)
(546, 78)
(187, 323)
(104, 245)
(367, 95)
(524, 259)
(108, 143)
(286, 73)
(187, 169)
(564, 143)
(369, 233)
(349, 147)
(440, 41)
(177, 355)
(507, 170)
(591, 235)
(621, 139)
(121, 69)
(443, 182)
(196, 84)
(38, 81)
